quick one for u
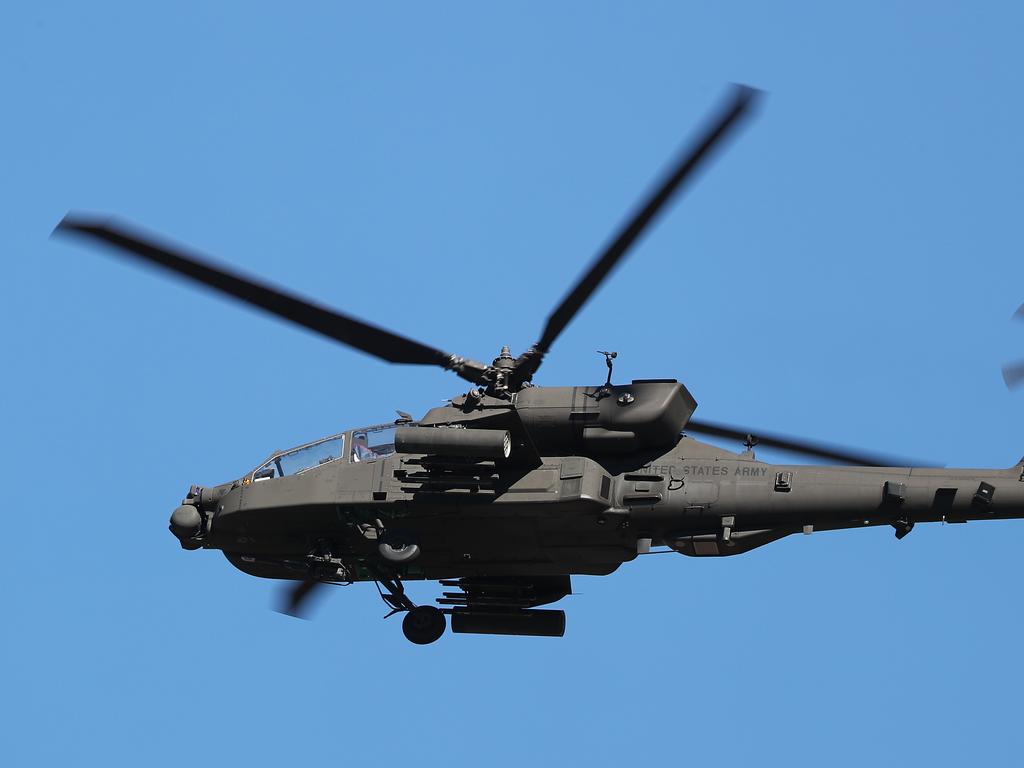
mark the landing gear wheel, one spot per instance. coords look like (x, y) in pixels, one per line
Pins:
(423, 624)
(397, 548)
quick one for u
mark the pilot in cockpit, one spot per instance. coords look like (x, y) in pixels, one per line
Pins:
(382, 439)
(361, 451)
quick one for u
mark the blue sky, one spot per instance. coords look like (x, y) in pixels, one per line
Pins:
(846, 271)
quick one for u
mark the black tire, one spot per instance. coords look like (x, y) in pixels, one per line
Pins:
(398, 547)
(404, 553)
(423, 624)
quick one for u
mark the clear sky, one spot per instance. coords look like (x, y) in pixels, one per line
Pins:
(846, 270)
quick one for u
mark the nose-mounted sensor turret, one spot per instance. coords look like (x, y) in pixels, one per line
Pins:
(186, 523)
(191, 521)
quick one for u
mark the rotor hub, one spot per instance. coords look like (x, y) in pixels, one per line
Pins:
(504, 361)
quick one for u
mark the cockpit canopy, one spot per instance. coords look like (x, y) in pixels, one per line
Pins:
(300, 459)
(368, 444)
(372, 443)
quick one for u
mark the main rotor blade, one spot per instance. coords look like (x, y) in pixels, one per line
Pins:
(799, 446)
(741, 100)
(297, 596)
(335, 325)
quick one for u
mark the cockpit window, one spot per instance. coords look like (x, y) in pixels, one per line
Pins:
(373, 443)
(302, 458)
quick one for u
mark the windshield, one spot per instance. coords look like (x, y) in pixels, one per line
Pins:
(302, 458)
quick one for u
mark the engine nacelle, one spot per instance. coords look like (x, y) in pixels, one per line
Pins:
(605, 420)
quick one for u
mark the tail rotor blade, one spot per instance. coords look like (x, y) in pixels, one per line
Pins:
(1013, 375)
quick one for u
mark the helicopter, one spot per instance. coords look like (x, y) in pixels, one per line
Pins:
(510, 489)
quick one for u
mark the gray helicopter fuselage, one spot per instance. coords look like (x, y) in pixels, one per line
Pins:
(579, 515)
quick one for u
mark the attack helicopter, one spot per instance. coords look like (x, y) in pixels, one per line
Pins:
(509, 489)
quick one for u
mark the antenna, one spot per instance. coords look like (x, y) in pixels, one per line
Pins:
(608, 357)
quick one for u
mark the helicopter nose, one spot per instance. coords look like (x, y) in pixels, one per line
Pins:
(190, 523)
